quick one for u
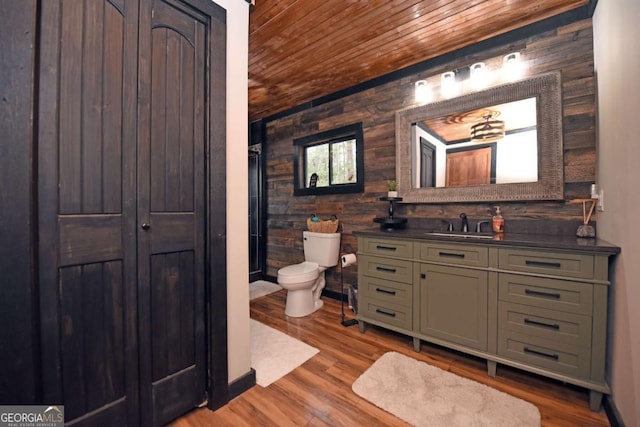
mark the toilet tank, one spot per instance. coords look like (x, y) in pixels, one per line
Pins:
(321, 248)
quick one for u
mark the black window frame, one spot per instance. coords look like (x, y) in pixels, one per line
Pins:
(352, 131)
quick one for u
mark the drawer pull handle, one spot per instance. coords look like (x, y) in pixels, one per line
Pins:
(542, 264)
(541, 294)
(384, 291)
(386, 270)
(540, 353)
(386, 313)
(386, 248)
(553, 326)
(451, 255)
(423, 276)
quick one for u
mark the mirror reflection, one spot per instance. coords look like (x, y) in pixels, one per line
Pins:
(502, 143)
(497, 144)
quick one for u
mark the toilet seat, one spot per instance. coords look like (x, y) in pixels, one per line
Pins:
(298, 273)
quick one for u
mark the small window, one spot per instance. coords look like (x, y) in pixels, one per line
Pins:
(330, 162)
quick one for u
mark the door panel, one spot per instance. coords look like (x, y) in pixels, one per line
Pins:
(171, 200)
(92, 306)
(87, 246)
(172, 313)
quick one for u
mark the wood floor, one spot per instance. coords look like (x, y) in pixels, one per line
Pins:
(318, 393)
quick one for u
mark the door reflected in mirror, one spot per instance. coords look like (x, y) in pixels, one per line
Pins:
(446, 155)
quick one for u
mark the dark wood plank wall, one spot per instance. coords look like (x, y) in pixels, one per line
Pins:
(568, 49)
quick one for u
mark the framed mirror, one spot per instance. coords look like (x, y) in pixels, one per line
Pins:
(499, 144)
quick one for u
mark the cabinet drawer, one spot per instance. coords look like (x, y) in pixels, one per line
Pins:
(543, 262)
(468, 255)
(391, 314)
(574, 329)
(386, 247)
(385, 291)
(386, 268)
(561, 358)
(563, 295)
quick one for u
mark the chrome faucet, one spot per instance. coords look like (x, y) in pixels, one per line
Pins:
(479, 226)
(465, 223)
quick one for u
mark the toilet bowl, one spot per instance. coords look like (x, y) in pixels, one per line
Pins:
(305, 281)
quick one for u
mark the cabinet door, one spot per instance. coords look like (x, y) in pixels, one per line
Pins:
(453, 305)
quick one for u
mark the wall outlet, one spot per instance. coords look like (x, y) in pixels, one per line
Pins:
(600, 202)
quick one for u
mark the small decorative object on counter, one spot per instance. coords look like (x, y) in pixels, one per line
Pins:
(498, 221)
(585, 230)
(392, 188)
(390, 222)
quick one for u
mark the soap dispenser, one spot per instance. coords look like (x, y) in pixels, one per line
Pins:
(498, 221)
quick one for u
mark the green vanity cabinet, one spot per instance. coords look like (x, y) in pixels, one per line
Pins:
(540, 309)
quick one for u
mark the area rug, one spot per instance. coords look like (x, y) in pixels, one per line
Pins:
(275, 354)
(424, 395)
(260, 288)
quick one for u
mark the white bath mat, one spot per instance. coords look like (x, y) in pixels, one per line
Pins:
(275, 354)
(424, 395)
(260, 288)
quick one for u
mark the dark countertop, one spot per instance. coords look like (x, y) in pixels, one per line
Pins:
(544, 241)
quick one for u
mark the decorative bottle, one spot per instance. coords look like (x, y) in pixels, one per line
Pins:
(498, 221)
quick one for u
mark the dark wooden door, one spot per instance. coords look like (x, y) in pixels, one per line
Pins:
(469, 167)
(171, 211)
(87, 209)
(121, 188)
(427, 164)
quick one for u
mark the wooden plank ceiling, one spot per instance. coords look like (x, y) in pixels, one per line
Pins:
(300, 50)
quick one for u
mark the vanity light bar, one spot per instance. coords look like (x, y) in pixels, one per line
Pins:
(479, 78)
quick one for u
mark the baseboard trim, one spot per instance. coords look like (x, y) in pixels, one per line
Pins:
(334, 295)
(242, 384)
(268, 278)
(612, 412)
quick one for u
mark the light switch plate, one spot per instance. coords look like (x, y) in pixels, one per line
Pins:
(600, 203)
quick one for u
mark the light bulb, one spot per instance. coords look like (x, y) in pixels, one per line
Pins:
(512, 66)
(479, 75)
(448, 85)
(422, 92)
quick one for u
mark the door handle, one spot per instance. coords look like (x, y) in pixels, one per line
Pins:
(145, 226)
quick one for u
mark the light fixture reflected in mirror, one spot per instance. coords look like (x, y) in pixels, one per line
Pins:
(448, 85)
(422, 92)
(488, 130)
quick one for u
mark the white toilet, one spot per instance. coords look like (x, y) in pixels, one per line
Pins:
(304, 282)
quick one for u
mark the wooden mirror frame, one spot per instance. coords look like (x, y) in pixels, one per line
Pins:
(550, 185)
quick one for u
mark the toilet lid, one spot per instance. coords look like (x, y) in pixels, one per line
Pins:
(299, 272)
